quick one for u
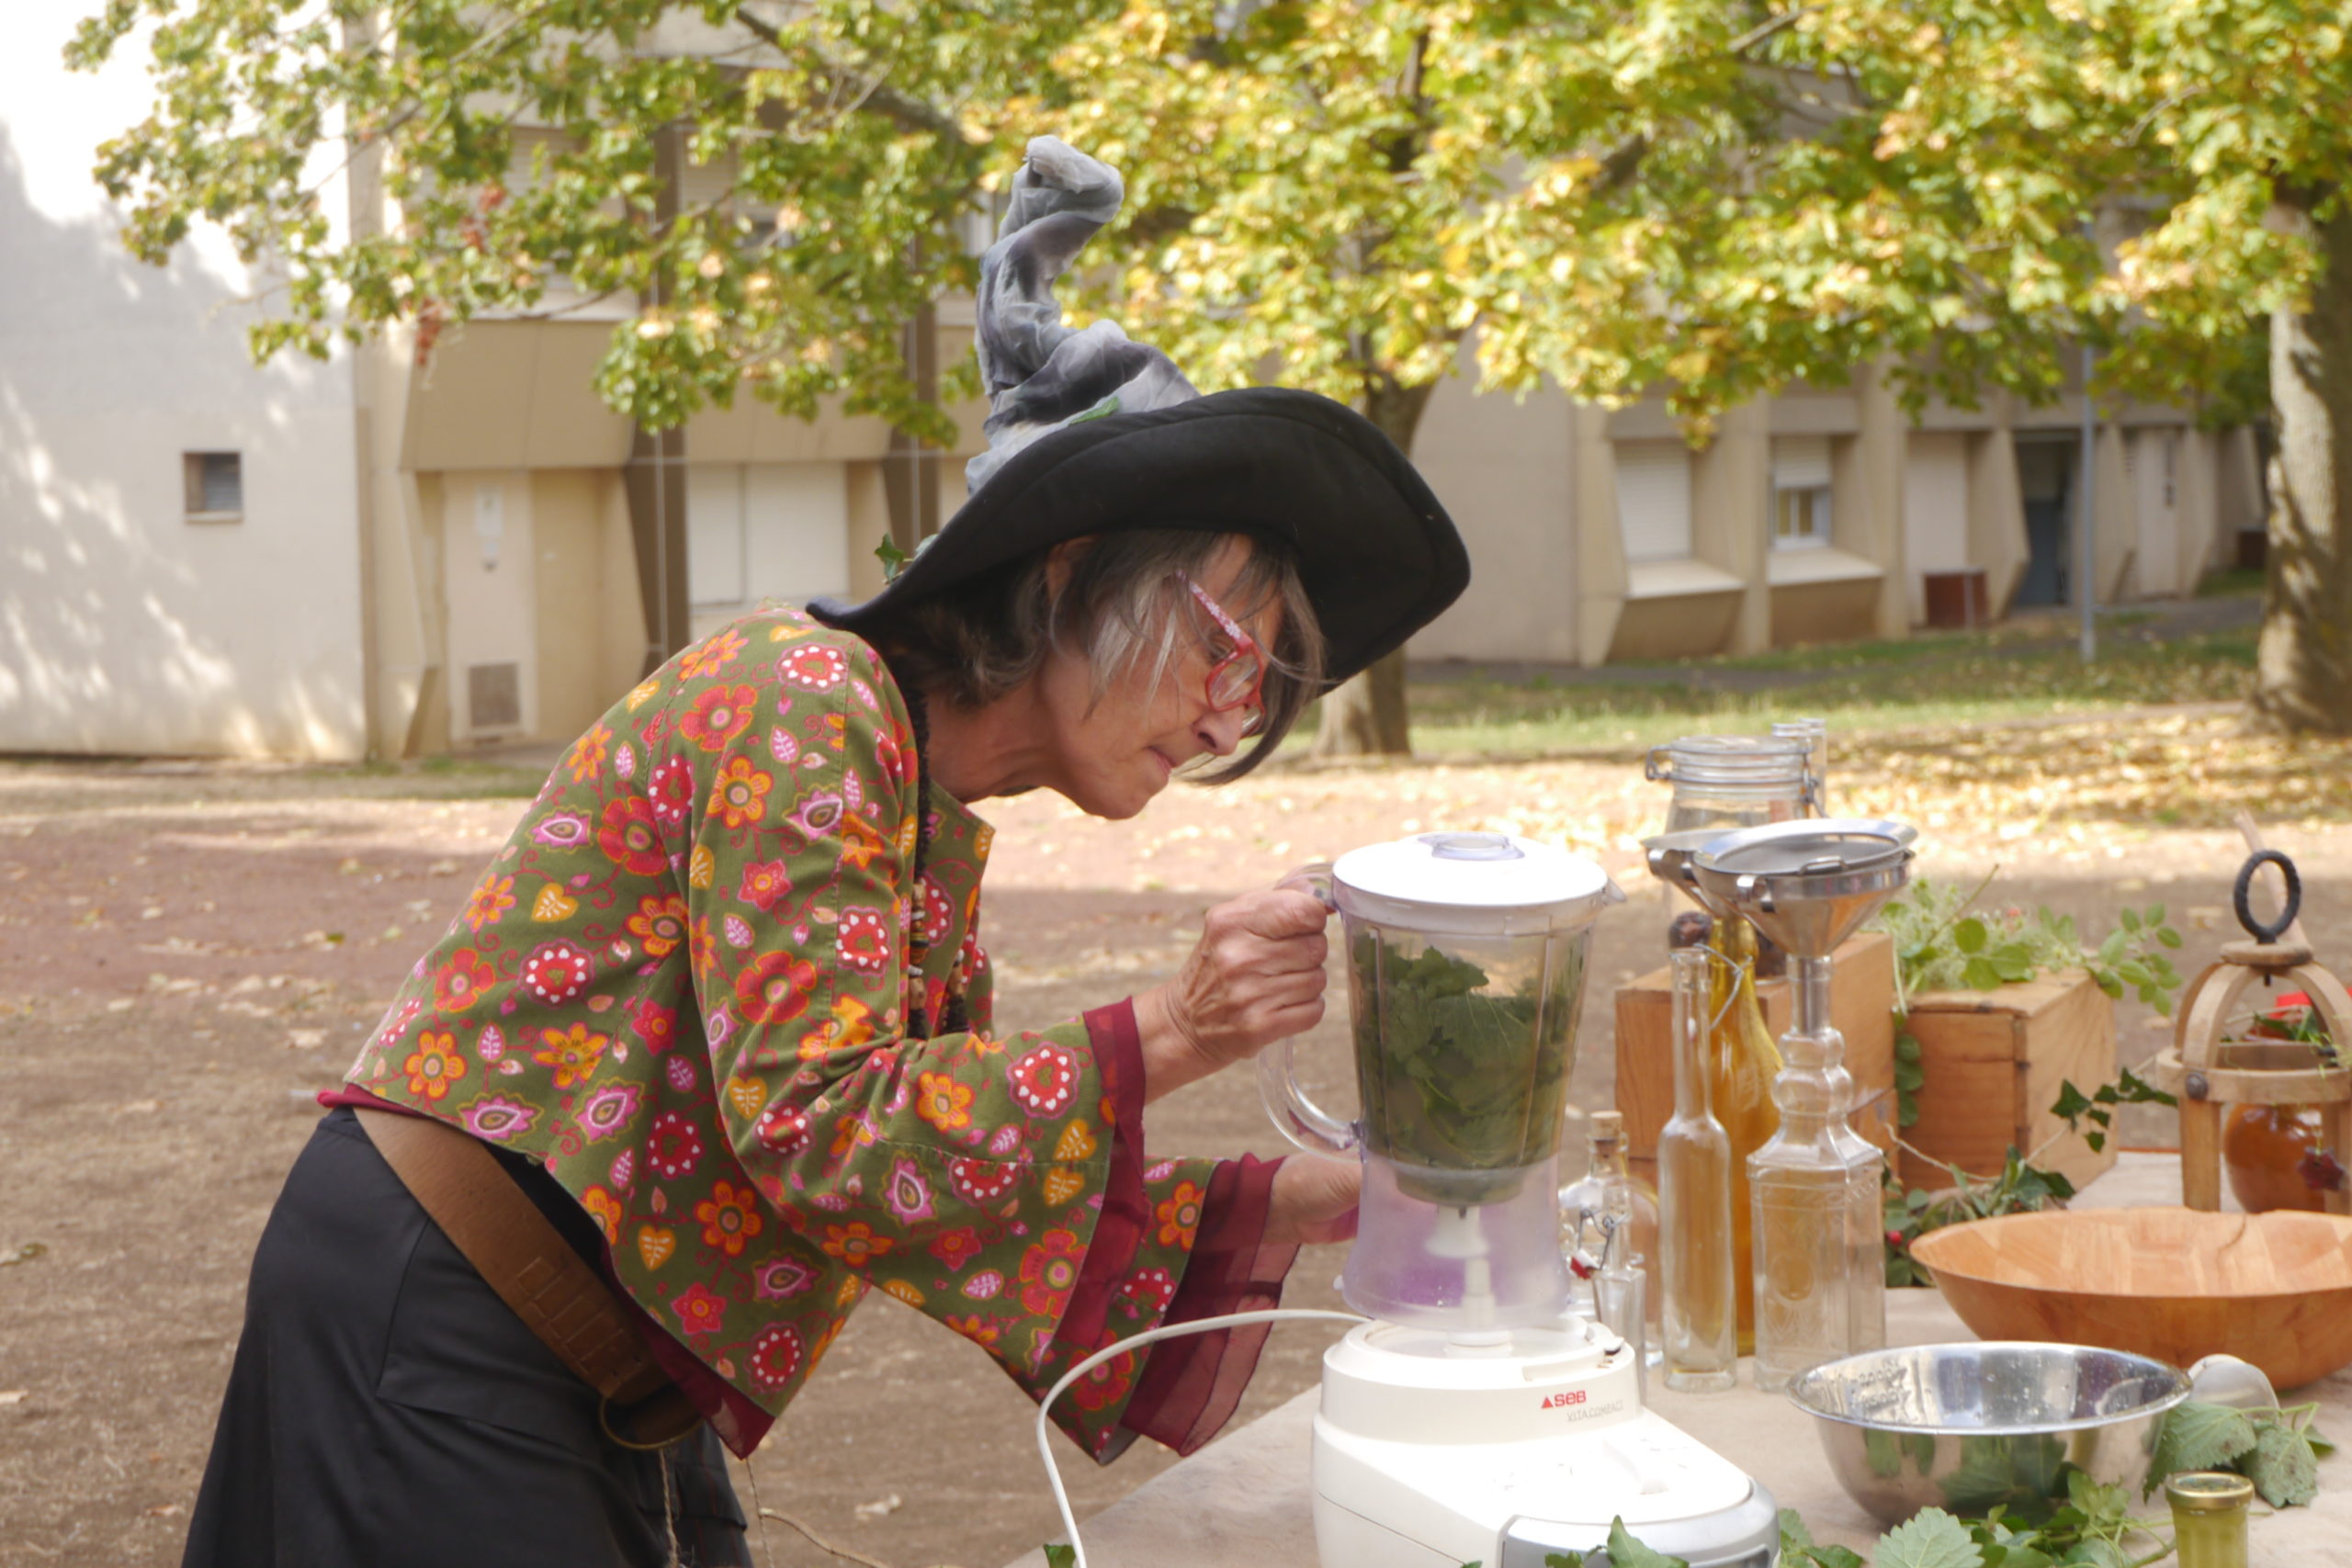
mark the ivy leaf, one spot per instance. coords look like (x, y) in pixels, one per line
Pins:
(2282, 1467)
(2101, 1506)
(1624, 1552)
(2198, 1435)
(1932, 1539)
(2071, 1101)
(1060, 1556)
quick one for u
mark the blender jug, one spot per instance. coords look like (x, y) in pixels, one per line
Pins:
(1465, 955)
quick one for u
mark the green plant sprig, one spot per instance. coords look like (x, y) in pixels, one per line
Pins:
(1940, 946)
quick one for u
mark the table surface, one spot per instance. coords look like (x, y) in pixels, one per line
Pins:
(1243, 1501)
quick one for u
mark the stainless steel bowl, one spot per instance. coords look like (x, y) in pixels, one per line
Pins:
(1965, 1427)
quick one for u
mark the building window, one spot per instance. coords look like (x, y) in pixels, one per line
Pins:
(215, 485)
(1654, 500)
(1800, 493)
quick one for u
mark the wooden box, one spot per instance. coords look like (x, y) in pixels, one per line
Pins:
(1995, 1062)
(1861, 1006)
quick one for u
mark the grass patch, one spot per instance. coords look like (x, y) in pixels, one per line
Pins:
(1955, 679)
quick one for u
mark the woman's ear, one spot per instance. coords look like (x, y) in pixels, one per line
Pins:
(1061, 563)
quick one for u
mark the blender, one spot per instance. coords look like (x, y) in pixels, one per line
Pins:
(1478, 1417)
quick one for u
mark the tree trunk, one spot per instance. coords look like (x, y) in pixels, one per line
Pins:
(1366, 716)
(2303, 683)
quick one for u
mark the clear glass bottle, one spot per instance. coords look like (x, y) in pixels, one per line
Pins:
(2208, 1511)
(1820, 1274)
(1611, 1201)
(1742, 1062)
(1815, 733)
(1700, 1310)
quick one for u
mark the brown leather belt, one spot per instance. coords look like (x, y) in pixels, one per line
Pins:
(525, 1259)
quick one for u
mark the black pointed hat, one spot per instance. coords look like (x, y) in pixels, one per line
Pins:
(1094, 433)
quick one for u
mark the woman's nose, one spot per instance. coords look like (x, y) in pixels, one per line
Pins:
(1222, 732)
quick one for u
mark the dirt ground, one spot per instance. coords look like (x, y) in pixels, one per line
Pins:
(188, 952)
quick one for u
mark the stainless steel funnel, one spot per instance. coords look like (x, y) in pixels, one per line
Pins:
(1807, 884)
(1669, 856)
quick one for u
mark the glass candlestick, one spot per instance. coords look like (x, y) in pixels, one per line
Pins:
(1700, 1311)
(1820, 1274)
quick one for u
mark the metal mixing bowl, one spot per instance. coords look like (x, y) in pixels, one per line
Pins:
(1965, 1427)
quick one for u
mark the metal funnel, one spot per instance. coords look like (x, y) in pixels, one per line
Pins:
(1807, 884)
(1669, 856)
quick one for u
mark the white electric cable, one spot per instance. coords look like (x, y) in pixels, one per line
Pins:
(1172, 1331)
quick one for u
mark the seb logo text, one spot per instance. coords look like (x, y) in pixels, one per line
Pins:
(1562, 1401)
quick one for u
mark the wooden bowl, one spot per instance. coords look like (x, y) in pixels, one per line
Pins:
(2176, 1284)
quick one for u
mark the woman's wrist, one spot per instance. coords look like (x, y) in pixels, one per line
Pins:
(1173, 1055)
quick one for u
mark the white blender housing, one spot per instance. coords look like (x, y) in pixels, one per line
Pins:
(1479, 1418)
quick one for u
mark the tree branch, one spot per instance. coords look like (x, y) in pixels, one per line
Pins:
(876, 94)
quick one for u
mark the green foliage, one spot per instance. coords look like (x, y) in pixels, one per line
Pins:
(2096, 1108)
(2020, 1188)
(1932, 1539)
(530, 161)
(1940, 946)
(2277, 1450)
(1711, 199)
(1455, 1088)
(1060, 1556)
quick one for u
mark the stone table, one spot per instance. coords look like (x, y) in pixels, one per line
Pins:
(1243, 1501)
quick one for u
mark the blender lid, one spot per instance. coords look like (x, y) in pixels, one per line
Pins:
(1473, 884)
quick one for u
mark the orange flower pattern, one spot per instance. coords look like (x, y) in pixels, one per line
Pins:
(701, 985)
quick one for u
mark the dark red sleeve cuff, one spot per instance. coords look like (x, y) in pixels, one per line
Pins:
(1191, 1386)
(1119, 1228)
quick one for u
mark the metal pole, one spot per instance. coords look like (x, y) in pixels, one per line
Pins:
(2086, 517)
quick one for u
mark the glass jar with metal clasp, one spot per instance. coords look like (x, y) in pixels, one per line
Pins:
(1726, 782)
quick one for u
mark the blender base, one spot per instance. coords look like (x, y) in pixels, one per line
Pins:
(1432, 1453)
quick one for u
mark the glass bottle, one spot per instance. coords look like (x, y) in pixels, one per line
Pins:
(1819, 1269)
(1700, 1311)
(2208, 1510)
(1612, 1215)
(1815, 733)
(1742, 1063)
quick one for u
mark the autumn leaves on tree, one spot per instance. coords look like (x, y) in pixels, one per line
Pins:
(1704, 199)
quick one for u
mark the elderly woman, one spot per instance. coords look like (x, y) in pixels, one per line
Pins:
(709, 1053)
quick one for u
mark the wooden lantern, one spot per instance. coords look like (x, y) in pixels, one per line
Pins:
(2206, 1069)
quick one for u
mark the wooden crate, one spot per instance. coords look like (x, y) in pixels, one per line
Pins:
(1861, 1005)
(1995, 1062)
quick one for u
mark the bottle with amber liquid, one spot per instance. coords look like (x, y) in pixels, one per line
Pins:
(1742, 1062)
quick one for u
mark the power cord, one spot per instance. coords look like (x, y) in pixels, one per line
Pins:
(1173, 1331)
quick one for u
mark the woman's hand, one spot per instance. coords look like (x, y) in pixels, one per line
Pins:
(1314, 1199)
(1255, 977)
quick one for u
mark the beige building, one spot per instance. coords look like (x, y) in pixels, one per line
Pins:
(1813, 516)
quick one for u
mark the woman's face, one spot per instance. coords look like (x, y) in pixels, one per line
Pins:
(1110, 758)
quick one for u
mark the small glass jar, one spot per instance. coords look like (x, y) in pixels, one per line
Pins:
(2208, 1510)
(1731, 780)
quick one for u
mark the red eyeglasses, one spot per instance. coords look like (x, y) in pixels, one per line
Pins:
(1236, 680)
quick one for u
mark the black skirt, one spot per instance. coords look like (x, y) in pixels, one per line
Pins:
(387, 1410)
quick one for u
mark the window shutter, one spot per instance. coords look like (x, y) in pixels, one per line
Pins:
(1801, 462)
(714, 533)
(1654, 500)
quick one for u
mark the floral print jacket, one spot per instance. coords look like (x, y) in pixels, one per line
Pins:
(704, 985)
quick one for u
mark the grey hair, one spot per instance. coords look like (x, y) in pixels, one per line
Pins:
(1124, 603)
